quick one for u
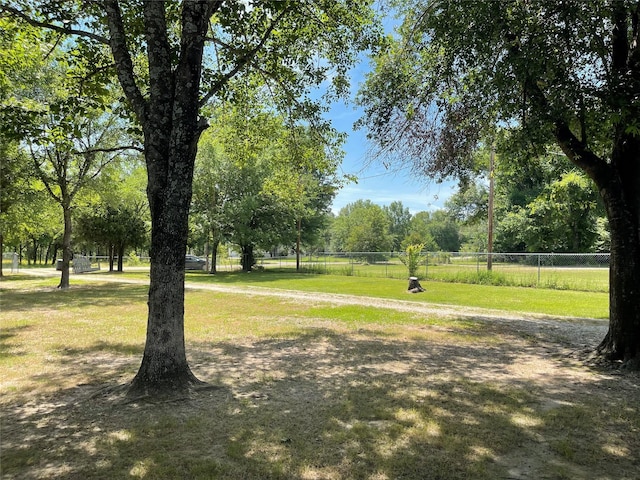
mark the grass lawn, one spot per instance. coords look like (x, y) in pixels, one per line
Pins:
(308, 391)
(514, 299)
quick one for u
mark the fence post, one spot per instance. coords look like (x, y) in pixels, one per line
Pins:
(539, 269)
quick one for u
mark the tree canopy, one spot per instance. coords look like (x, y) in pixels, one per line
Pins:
(362, 226)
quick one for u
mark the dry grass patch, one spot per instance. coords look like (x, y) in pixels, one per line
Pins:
(305, 392)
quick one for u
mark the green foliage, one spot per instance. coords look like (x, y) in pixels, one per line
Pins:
(399, 223)
(114, 228)
(361, 226)
(563, 217)
(469, 204)
(437, 231)
(257, 178)
(413, 258)
(484, 63)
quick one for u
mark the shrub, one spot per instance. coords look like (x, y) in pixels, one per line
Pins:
(412, 258)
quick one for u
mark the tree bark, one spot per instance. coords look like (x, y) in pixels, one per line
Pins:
(621, 194)
(248, 259)
(171, 132)
(164, 367)
(66, 247)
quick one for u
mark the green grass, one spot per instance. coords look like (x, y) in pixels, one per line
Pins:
(307, 391)
(514, 299)
(457, 270)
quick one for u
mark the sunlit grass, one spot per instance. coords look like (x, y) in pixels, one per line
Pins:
(460, 271)
(514, 299)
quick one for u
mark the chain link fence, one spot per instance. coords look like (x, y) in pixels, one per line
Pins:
(571, 271)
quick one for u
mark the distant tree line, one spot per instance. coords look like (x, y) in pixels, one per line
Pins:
(254, 200)
(545, 205)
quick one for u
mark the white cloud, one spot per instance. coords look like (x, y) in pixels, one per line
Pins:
(416, 198)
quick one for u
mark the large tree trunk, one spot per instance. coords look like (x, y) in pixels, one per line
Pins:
(248, 259)
(621, 194)
(66, 247)
(164, 367)
(171, 131)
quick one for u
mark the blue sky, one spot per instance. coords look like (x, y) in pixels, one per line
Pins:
(376, 183)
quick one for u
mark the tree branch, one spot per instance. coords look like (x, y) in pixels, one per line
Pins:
(122, 57)
(47, 180)
(110, 150)
(50, 26)
(619, 42)
(244, 59)
(575, 149)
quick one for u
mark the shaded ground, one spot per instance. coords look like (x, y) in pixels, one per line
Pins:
(504, 397)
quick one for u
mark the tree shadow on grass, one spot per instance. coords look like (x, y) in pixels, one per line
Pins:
(77, 296)
(230, 278)
(322, 404)
(8, 348)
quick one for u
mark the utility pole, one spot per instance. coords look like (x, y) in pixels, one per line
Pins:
(490, 219)
(299, 228)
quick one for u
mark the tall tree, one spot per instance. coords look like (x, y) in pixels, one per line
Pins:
(399, 222)
(563, 217)
(66, 162)
(282, 40)
(238, 158)
(551, 72)
(258, 181)
(19, 73)
(62, 117)
(308, 182)
(362, 226)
